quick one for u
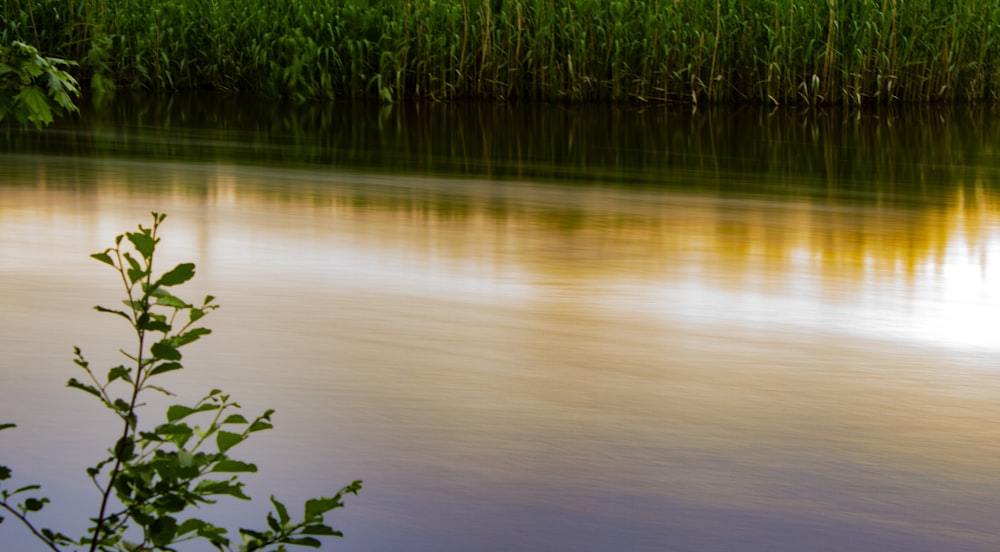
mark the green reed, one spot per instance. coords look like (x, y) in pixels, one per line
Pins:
(772, 51)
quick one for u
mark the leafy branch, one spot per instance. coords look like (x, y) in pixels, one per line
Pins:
(35, 89)
(152, 476)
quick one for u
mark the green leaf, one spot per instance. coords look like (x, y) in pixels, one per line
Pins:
(56, 537)
(27, 488)
(316, 507)
(304, 541)
(180, 274)
(176, 433)
(262, 423)
(173, 429)
(177, 412)
(35, 504)
(191, 336)
(353, 488)
(226, 440)
(159, 389)
(7, 426)
(282, 511)
(170, 502)
(215, 535)
(104, 258)
(135, 272)
(4, 473)
(135, 275)
(119, 372)
(58, 91)
(165, 350)
(100, 465)
(148, 437)
(143, 243)
(256, 536)
(189, 525)
(35, 106)
(124, 449)
(132, 262)
(163, 530)
(167, 299)
(234, 466)
(185, 458)
(141, 518)
(153, 323)
(73, 382)
(171, 301)
(273, 523)
(165, 367)
(112, 311)
(208, 486)
(320, 529)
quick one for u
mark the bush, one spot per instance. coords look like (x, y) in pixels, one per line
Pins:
(153, 474)
(34, 89)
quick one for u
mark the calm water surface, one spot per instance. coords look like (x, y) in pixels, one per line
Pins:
(541, 328)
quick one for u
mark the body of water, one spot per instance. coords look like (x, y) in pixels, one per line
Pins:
(538, 328)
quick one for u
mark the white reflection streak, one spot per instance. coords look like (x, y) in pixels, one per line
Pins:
(345, 262)
(962, 307)
(954, 304)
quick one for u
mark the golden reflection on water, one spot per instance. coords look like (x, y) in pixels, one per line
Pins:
(674, 365)
(883, 269)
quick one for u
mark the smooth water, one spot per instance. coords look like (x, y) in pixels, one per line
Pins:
(539, 328)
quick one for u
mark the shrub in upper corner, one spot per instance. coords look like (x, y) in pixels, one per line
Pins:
(35, 89)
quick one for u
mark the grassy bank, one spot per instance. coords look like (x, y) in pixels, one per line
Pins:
(772, 51)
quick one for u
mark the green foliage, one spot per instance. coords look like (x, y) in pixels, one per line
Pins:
(773, 51)
(34, 89)
(153, 476)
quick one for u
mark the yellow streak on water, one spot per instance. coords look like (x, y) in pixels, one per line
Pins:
(774, 357)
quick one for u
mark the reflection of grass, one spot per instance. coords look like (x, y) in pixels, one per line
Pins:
(576, 233)
(913, 157)
(774, 51)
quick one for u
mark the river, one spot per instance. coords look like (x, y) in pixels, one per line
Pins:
(538, 328)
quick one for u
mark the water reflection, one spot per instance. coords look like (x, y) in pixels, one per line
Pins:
(707, 343)
(884, 157)
(864, 264)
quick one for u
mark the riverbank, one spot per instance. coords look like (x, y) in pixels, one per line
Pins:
(858, 52)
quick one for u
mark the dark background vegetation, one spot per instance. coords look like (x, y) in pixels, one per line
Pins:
(770, 51)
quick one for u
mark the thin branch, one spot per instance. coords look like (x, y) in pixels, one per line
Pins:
(29, 525)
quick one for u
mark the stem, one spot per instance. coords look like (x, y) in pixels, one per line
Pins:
(136, 387)
(213, 426)
(118, 462)
(28, 524)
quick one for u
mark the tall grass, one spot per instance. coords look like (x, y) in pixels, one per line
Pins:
(772, 51)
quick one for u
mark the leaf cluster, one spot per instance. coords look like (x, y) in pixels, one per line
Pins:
(35, 89)
(152, 476)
